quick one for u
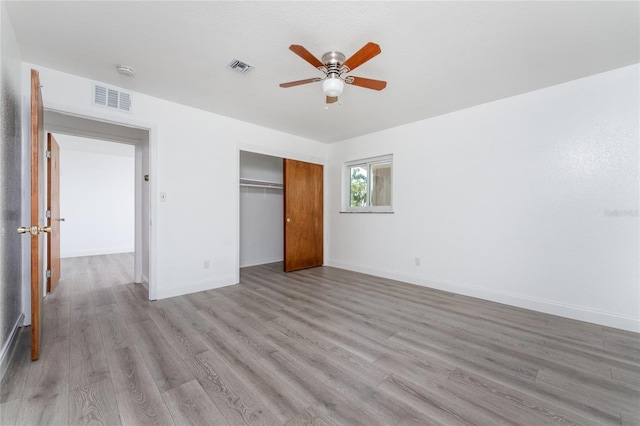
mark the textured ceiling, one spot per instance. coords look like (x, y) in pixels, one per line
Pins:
(437, 57)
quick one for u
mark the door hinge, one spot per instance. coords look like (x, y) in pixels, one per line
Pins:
(48, 273)
(48, 214)
(48, 154)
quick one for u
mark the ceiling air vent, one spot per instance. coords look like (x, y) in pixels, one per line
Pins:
(111, 97)
(241, 67)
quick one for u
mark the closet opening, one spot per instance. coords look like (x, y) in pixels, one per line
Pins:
(261, 209)
(281, 212)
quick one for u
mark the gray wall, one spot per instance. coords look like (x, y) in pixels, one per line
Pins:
(10, 183)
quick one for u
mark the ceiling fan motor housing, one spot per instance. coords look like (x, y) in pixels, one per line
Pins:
(333, 61)
(333, 58)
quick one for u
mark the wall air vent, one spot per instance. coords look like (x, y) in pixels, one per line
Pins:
(241, 67)
(111, 97)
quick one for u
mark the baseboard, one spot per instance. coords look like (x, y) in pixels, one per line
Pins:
(97, 252)
(194, 287)
(9, 348)
(246, 264)
(580, 313)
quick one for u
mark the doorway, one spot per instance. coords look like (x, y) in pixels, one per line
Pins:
(97, 195)
(104, 139)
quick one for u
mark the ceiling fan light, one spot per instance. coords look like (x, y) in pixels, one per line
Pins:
(332, 86)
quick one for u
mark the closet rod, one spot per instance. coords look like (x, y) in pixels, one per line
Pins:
(252, 185)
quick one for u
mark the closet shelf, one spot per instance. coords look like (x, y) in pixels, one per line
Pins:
(255, 183)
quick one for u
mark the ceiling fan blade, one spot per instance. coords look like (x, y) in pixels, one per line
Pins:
(299, 82)
(332, 99)
(367, 52)
(306, 55)
(366, 83)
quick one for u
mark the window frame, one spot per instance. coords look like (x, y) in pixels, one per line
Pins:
(346, 184)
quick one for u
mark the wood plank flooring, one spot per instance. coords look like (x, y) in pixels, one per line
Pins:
(321, 346)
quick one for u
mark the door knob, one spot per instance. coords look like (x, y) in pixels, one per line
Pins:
(33, 230)
(44, 229)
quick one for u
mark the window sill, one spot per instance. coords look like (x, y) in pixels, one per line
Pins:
(365, 212)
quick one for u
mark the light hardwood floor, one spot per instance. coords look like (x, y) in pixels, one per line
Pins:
(321, 346)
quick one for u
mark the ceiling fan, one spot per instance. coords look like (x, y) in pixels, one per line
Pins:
(334, 66)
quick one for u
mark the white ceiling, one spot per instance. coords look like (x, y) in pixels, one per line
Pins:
(437, 57)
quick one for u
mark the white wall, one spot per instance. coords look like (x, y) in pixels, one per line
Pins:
(96, 196)
(261, 211)
(510, 201)
(194, 160)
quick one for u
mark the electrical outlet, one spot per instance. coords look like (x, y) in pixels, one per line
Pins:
(207, 264)
(417, 261)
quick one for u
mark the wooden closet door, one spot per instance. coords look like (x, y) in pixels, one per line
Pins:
(303, 215)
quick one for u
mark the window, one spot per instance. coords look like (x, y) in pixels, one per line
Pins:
(368, 185)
